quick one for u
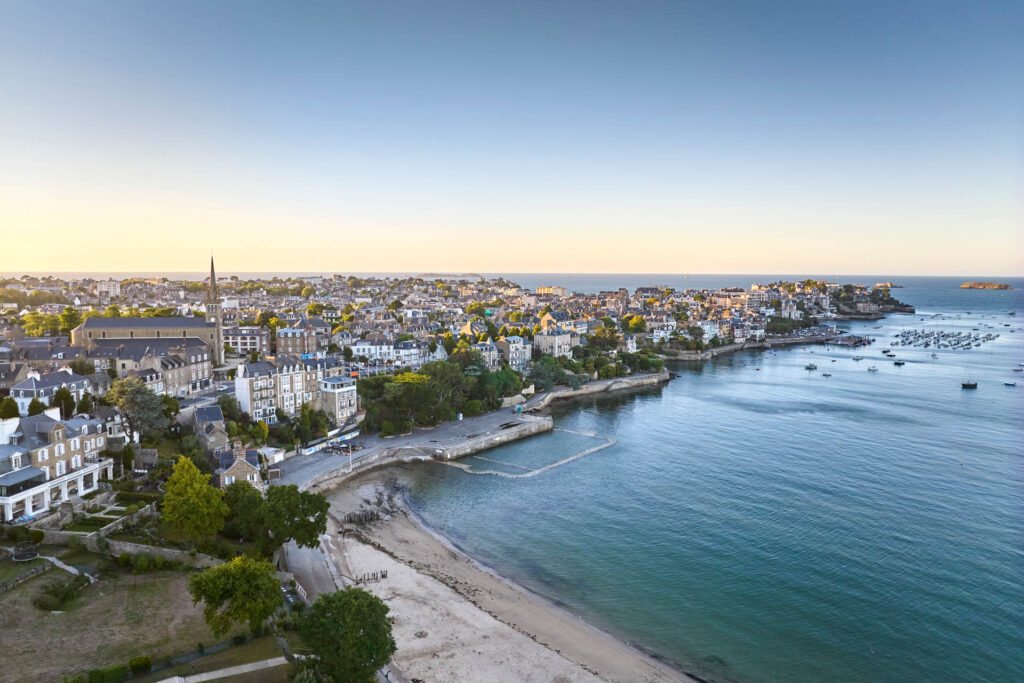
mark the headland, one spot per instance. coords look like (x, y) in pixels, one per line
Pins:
(985, 285)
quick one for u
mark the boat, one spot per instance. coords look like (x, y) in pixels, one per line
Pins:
(935, 355)
(826, 374)
(969, 384)
(899, 362)
(872, 368)
(858, 358)
(1018, 369)
(1009, 384)
(810, 366)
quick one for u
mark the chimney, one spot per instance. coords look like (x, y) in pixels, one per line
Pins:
(238, 450)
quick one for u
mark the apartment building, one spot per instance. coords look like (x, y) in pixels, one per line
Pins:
(286, 383)
(43, 387)
(45, 461)
(554, 342)
(516, 351)
(175, 367)
(339, 399)
(247, 339)
(296, 341)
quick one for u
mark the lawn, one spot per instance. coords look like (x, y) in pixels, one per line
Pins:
(119, 617)
(253, 651)
(82, 557)
(10, 569)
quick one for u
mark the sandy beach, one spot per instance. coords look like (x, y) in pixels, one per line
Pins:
(457, 621)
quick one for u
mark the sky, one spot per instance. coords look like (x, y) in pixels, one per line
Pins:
(573, 136)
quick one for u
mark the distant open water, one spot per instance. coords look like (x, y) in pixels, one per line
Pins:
(760, 522)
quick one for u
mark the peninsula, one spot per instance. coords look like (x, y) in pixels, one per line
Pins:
(985, 285)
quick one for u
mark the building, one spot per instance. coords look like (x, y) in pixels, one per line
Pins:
(339, 399)
(175, 367)
(553, 290)
(208, 426)
(286, 383)
(44, 387)
(45, 461)
(516, 351)
(92, 330)
(292, 341)
(489, 352)
(247, 339)
(553, 342)
(239, 464)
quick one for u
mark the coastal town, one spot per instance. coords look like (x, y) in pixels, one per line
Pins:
(116, 396)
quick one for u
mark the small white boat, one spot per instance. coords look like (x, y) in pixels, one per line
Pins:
(872, 368)
(858, 358)
(810, 366)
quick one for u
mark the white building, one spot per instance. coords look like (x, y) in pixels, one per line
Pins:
(44, 386)
(45, 461)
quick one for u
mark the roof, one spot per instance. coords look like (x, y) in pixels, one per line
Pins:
(227, 458)
(50, 380)
(149, 323)
(208, 414)
(18, 476)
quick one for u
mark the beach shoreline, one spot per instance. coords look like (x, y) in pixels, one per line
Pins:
(584, 651)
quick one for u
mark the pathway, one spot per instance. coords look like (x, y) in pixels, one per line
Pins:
(229, 671)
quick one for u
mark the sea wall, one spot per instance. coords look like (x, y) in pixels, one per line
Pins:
(602, 386)
(740, 346)
(391, 456)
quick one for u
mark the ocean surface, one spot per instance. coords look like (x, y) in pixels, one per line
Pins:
(757, 521)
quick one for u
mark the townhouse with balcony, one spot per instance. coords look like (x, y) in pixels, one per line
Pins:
(45, 461)
(286, 383)
(247, 339)
(554, 342)
(339, 399)
(516, 351)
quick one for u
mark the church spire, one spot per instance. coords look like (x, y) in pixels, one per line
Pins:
(213, 281)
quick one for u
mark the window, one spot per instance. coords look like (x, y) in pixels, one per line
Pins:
(76, 462)
(99, 441)
(43, 454)
(59, 450)
(229, 480)
(46, 473)
(74, 444)
(60, 468)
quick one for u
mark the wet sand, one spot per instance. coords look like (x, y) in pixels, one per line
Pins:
(455, 620)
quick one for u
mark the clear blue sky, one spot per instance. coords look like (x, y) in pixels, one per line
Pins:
(517, 136)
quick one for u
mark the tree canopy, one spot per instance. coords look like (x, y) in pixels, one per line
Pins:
(8, 408)
(242, 591)
(191, 505)
(143, 411)
(349, 632)
(63, 399)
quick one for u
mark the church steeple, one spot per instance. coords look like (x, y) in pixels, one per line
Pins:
(212, 294)
(213, 315)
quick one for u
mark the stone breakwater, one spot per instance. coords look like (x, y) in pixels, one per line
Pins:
(441, 444)
(598, 387)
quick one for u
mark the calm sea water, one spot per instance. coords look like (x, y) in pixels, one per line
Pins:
(759, 522)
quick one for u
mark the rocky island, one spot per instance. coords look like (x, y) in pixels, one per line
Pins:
(985, 285)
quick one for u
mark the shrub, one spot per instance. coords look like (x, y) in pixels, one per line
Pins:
(96, 676)
(17, 534)
(141, 564)
(158, 562)
(36, 535)
(140, 664)
(200, 648)
(74, 542)
(238, 640)
(102, 543)
(47, 603)
(115, 673)
(124, 559)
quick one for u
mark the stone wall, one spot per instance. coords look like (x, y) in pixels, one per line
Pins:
(630, 382)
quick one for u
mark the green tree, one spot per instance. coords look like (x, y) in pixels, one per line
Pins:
(290, 514)
(229, 406)
(8, 408)
(307, 292)
(169, 407)
(85, 404)
(347, 353)
(113, 311)
(143, 411)
(350, 634)
(127, 459)
(82, 366)
(35, 407)
(69, 320)
(242, 591)
(315, 308)
(245, 505)
(63, 399)
(191, 505)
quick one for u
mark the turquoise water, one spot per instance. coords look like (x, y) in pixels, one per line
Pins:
(756, 521)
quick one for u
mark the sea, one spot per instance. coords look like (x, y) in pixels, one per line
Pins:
(758, 521)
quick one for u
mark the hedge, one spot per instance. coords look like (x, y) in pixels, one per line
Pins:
(140, 664)
(138, 496)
